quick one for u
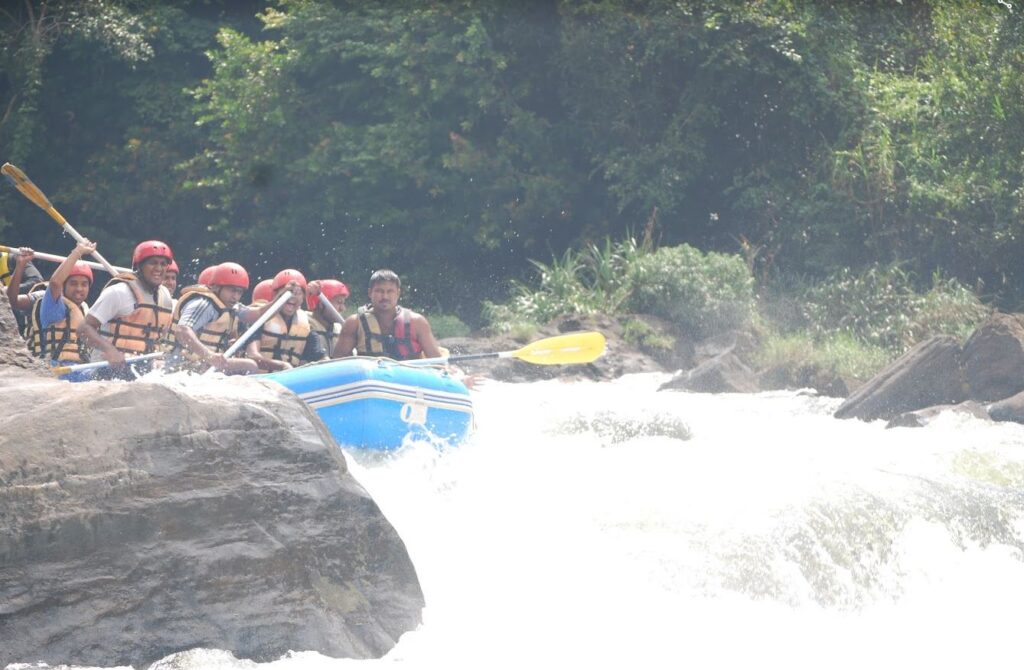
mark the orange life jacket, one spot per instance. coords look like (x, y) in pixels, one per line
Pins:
(283, 343)
(58, 341)
(218, 334)
(142, 330)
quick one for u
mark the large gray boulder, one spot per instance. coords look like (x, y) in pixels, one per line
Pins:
(142, 519)
(993, 358)
(929, 374)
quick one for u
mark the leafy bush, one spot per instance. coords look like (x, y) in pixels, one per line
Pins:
(881, 307)
(702, 293)
(642, 335)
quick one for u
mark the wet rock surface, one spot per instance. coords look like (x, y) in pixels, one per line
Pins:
(138, 520)
(929, 374)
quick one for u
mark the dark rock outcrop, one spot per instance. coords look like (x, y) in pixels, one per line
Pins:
(929, 374)
(142, 519)
(993, 358)
(725, 373)
(922, 417)
(1008, 409)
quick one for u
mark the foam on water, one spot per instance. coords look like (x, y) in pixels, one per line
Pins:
(600, 523)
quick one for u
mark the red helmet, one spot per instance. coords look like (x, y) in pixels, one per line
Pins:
(282, 278)
(149, 249)
(81, 270)
(263, 291)
(230, 274)
(204, 276)
(329, 288)
(173, 266)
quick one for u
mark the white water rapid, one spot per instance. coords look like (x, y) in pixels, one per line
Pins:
(581, 528)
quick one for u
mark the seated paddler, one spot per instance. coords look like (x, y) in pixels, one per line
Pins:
(287, 339)
(55, 315)
(206, 323)
(383, 327)
(132, 315)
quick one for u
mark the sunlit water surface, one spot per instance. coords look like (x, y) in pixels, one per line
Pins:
(599, 524)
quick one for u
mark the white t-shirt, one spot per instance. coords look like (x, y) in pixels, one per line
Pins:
(117, 300)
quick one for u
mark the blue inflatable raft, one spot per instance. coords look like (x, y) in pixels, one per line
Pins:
(374, 403)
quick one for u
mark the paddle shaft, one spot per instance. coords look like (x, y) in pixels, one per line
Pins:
(329, 309)
(271, 311)
(78, 367)
(60, 259)
(476, 357)
(567, 349)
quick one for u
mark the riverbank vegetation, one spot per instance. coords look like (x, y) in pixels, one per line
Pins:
(851, 324)
(864, 156)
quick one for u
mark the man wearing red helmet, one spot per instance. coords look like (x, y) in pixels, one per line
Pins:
(133, 312)
(286, 339)
(326, 301)
(206, 322)
(262, 293)
(57, 312)
(385, 328)
(171, 277)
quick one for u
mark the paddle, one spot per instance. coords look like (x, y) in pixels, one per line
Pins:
(60, 259)
(567, 349)
(64, 369)
(271, 311)
(33, 193)
(281, 299)
(330, 310)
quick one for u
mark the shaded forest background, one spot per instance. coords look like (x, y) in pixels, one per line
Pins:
(454, 141)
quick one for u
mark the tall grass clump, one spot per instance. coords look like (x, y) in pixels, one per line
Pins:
(596, 280)
(703, 293)
(840, 354)
(880, 306)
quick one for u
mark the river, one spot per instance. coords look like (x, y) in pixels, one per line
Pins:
(598, 524)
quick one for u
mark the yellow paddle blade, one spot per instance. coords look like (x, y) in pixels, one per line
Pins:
(563, 349)
(25, 185)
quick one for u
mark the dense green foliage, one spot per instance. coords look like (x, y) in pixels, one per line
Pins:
(455, 140)
(881, 307)
(702, 293)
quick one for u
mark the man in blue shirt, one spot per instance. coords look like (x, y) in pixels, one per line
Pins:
(57, 312)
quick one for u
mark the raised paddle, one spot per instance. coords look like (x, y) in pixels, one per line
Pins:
(244, 337)
(567, 349)
(60, 259)
(78, 367)
(33, 193)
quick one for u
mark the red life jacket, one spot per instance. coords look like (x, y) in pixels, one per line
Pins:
(398, 344)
